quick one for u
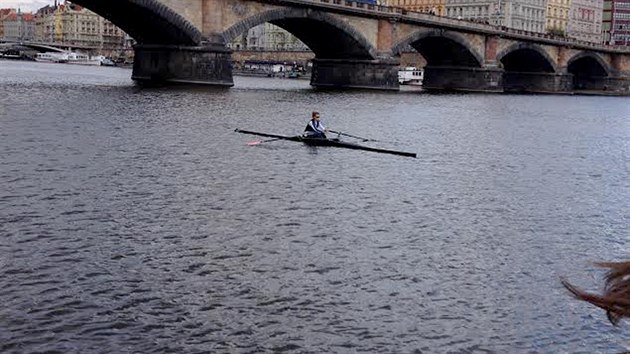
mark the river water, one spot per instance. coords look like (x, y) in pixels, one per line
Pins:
(137, 221)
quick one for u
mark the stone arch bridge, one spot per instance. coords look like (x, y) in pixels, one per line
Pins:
(359, 45)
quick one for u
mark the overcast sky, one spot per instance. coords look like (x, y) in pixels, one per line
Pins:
(26, 5)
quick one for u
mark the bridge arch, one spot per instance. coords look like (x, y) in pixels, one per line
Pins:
(589, 71)
(441, 48)
(146, 21)
(529, 68)
(526, 57)
(590, 63)
(327, 36)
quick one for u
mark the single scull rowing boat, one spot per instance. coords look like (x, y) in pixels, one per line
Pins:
(327, 142)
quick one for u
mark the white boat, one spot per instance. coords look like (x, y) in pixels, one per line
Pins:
(103, 61)
(52, 57)
(82, 59)
(73, 58)
(410, 75)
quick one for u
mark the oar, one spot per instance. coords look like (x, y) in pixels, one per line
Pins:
(353, 136)
(257, 142)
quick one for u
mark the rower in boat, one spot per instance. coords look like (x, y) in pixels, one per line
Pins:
(317, 141)
(315, 128)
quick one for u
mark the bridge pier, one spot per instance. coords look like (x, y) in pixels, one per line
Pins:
(161, 64)
(592, 83)
(617, 85)
(463, 79)
(532, 82)
(352, 73)
(602, 85)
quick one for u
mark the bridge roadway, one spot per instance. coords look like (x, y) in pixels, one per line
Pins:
(358, 46)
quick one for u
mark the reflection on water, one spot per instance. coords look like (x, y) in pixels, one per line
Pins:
(136, 220)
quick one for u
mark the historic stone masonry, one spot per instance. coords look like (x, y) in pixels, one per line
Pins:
(359, 46)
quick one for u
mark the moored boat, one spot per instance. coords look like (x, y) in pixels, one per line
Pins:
(52, 57)
(81, 59)
(411, 76)
(105, 61)
(10, 56)
(73, 58)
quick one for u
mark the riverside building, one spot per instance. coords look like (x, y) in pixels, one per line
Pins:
(585, 20)
(616, 22)
(16, 25)
(4, 13)
(527, 15)
(558, 16)
(579, 19)
(268, 37)
(73, 25)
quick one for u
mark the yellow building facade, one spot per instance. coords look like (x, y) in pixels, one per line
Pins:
(557, 18)
(73, 25)
(435, 7)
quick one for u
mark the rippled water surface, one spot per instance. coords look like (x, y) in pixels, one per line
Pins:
(137, 221)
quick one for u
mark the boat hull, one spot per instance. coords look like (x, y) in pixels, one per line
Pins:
(328, 142)
(84, 62)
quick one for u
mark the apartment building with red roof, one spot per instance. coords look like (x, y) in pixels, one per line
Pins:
(4, 13)
(16, 25)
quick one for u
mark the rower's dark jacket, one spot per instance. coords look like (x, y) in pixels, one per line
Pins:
(315, 129)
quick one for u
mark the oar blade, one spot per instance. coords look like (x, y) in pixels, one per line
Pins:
(258, 142)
